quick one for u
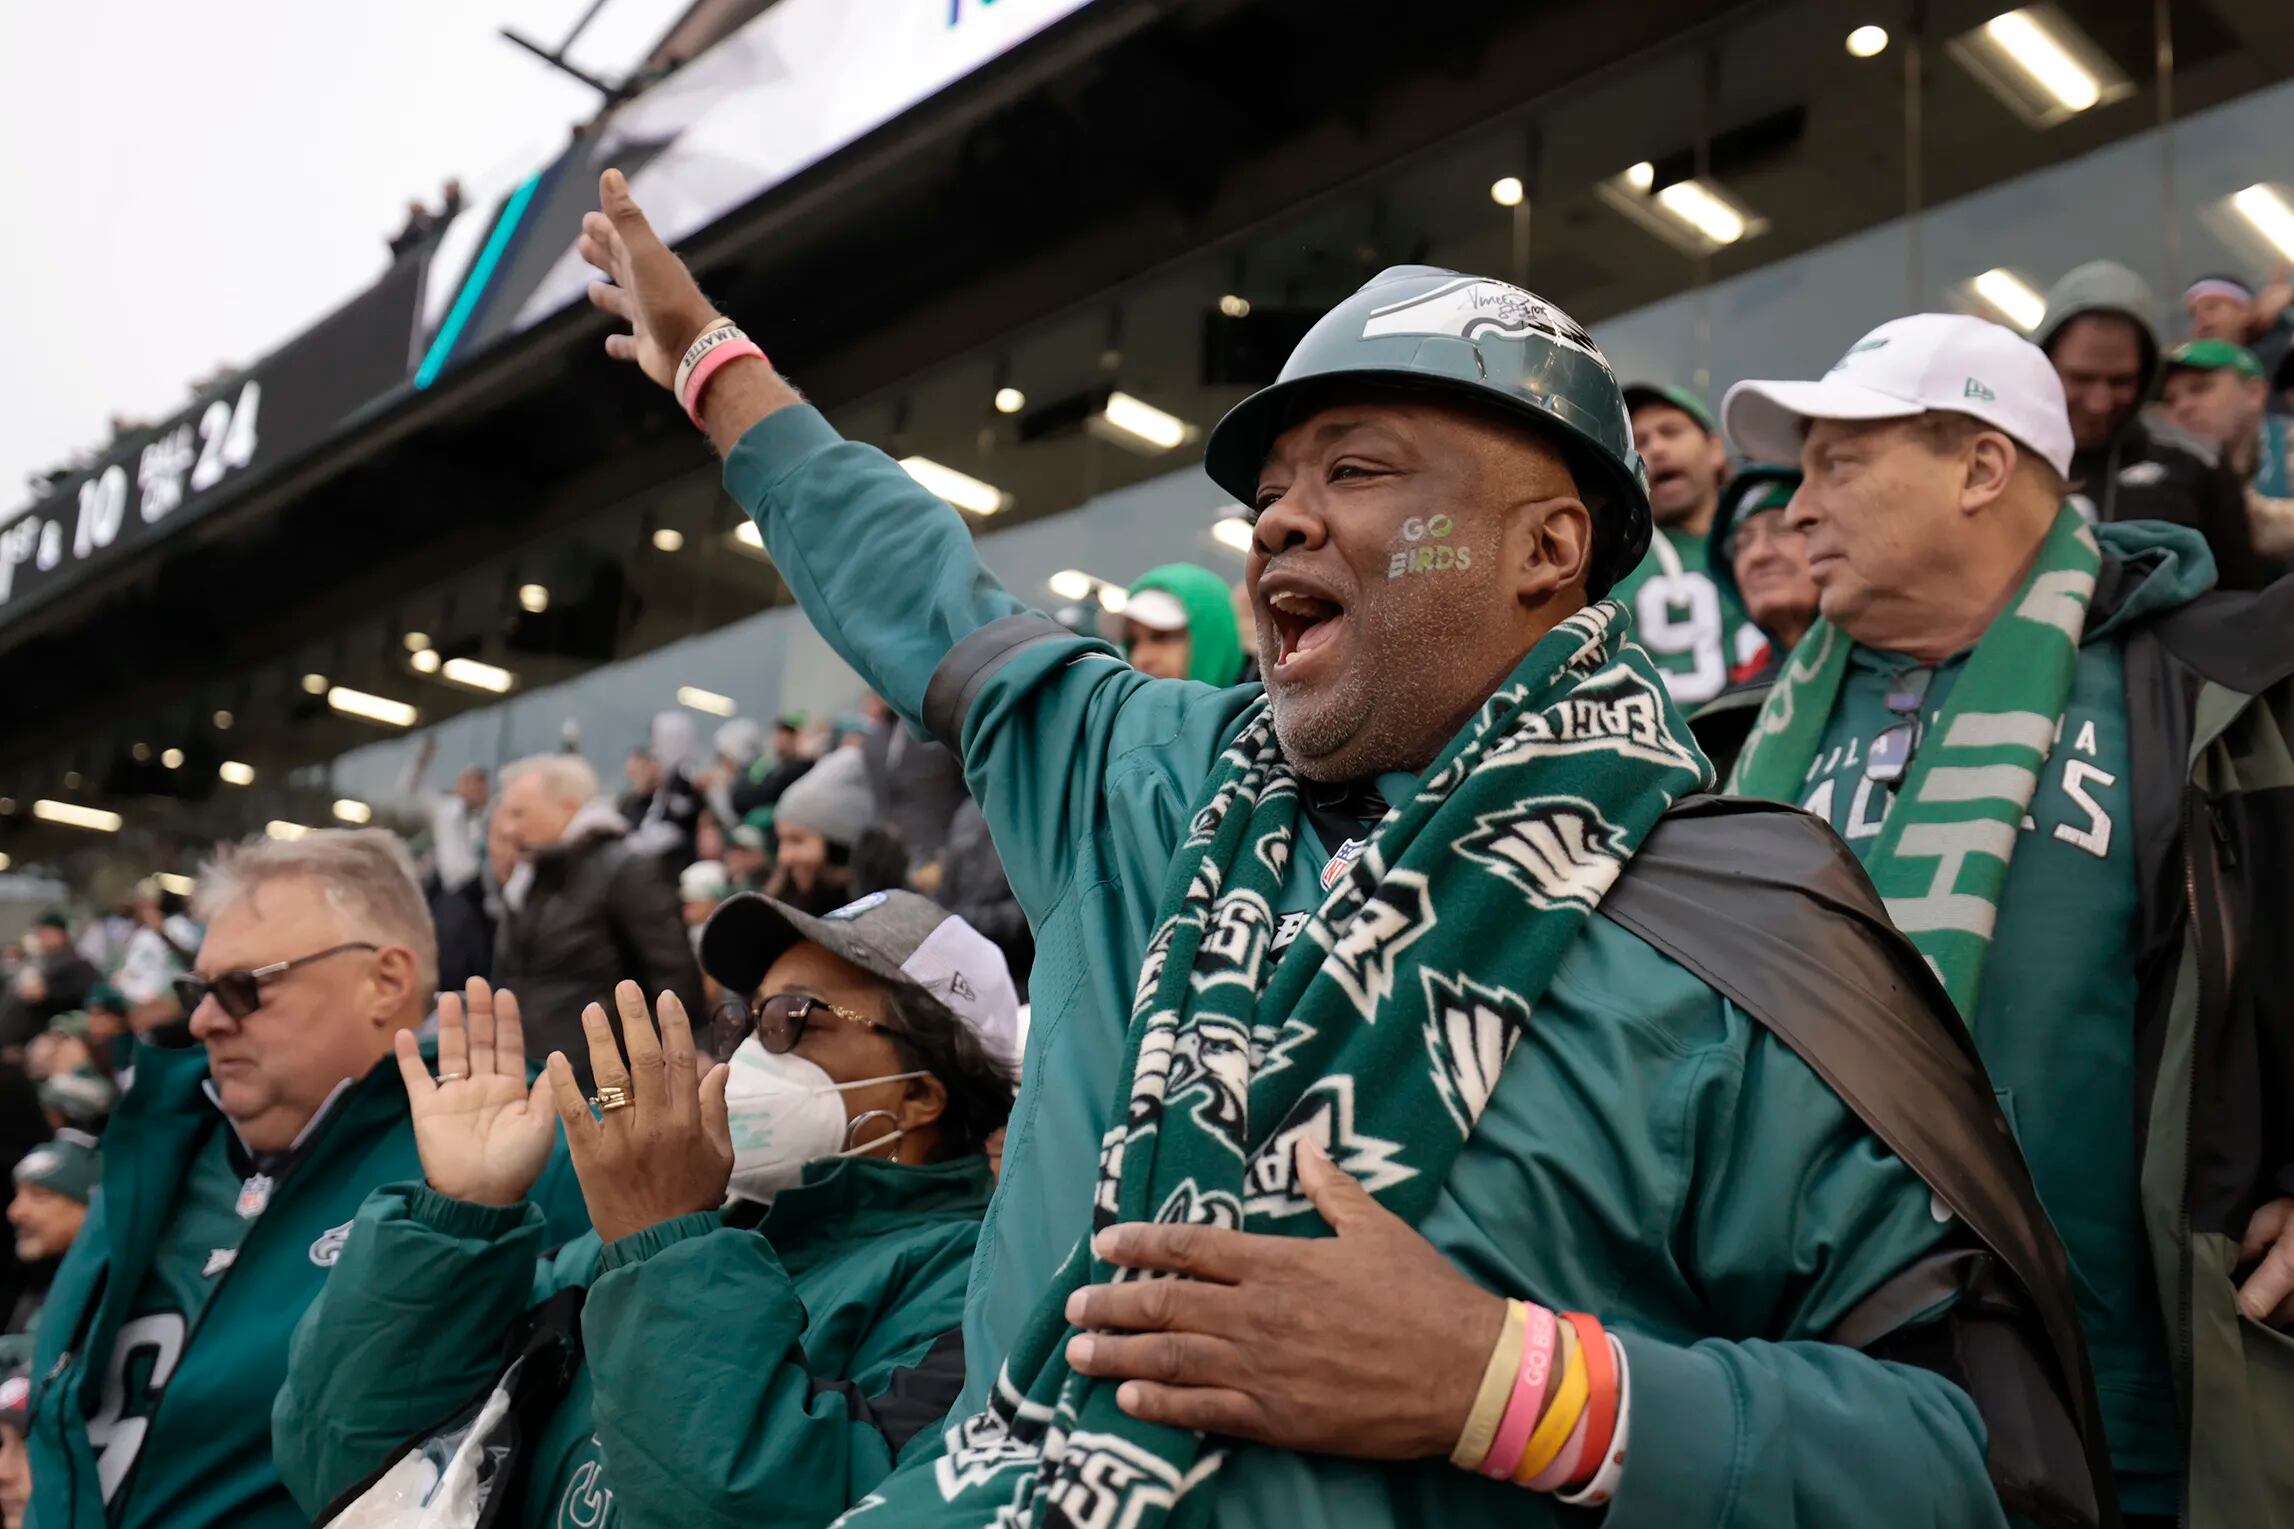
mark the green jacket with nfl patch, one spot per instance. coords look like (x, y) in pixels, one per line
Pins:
(113, 1391)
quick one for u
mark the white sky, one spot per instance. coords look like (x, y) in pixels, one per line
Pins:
(196, 183)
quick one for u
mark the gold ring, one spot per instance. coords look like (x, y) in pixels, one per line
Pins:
(608, 1097)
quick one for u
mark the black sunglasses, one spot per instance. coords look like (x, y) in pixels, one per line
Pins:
(1894, 745)
(778, 1022)
(240, 993)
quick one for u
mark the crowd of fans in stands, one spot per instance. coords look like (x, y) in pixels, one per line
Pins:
(823, 910)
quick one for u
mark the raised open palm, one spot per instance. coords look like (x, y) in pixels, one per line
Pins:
(483, 1133)
(648, 287)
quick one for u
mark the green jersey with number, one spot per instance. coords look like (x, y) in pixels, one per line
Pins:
(164, 1340)
(200, 1242)
(1695, 630)
(2055, 1020)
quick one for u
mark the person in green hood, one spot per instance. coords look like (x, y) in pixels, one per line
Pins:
(1178, 623)
(768, 1309)
(2100, 333)
(1487, 1207)
(2065, 764)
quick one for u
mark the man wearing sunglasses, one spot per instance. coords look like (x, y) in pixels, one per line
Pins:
(2064, 764)
(231, 1173)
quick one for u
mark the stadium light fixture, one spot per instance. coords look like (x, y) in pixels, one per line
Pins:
(1071, 584)
(2038, 62)
(1114, 599)
(1695, 216)
(1134, 423)
(73, 815)
(2268, 214)
(2011, 297)
(962, 490)
(314, 684)
(668, 539)
(172, 758)
(1698, 207)
(351, 810)
(417, 641)
(749, 538)
(478, 675)
(1507, 191)
(72, 781)
(281, 829)
(426, 661)
(1867, 42)
(176, 882)
(5, 862)
(1010, 400)
(1234, 533)
(140, 753)
(371, 708)
(1235, 306)
(236, 773)
(533, 599)
(706, 700)
(222, 721)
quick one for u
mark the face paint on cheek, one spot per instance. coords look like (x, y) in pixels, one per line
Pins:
(1430, 560)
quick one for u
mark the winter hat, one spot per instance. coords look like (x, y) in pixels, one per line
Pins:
(704, 881)
(72, 1165)
(82, 1096)
(741, 741)
(831, 799)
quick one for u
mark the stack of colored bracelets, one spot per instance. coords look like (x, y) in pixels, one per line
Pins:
(1552, 1410)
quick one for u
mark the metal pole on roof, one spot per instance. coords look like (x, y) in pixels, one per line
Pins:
(1915, 254)
(1701, 356)
(2170, 212)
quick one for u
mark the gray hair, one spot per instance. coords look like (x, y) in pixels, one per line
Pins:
(568, 776)
(365, 874)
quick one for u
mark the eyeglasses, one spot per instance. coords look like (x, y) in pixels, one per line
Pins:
(1894, 745)
(240, 993)
(778, 1022)
(1761, 527)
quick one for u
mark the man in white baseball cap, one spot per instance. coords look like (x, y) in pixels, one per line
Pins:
(1997, 709)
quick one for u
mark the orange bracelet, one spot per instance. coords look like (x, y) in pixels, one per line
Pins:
(1601, 1403)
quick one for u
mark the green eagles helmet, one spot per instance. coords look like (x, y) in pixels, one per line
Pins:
(1421, 328)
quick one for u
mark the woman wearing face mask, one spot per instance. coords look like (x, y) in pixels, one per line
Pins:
(770, 1307)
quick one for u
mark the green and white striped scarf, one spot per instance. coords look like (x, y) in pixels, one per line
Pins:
(1941, 859)
(1378, 1035)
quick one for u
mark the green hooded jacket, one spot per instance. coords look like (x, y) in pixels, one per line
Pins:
(1215, 645)
(179, 1415)
(735, 1371)
(1722, 1208)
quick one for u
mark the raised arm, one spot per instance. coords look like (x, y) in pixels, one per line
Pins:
(1044, 721)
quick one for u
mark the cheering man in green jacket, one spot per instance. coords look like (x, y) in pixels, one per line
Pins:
(231, 1174)
(2066, 766)
(1324, 958)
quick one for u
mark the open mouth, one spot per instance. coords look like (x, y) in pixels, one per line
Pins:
(1665, 477)
(1302, 623)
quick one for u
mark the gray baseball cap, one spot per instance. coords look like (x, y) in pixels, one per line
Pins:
(906, 939)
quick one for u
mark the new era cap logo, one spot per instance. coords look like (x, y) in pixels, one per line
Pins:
(1976, 389)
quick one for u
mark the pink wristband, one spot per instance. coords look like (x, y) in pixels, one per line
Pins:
(708, 367)
(1564, 1465)
(1528, 1400)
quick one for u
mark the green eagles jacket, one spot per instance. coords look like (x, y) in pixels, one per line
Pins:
(2209, 696)
(214, 1382)
(1708, 1183)
(732, 1374)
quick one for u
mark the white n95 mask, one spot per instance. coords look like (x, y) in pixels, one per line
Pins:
(784, 1113)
